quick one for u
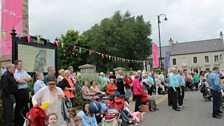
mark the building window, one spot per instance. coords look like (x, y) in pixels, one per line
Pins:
(206, 59)
(220, 57)
(184, 61)
(174, 62)
(195, 60)
(216, 58)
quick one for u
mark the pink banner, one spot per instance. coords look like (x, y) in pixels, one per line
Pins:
(155, 56)
(12, 16)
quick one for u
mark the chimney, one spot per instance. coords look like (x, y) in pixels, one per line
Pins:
(221, 35)
(170, 42)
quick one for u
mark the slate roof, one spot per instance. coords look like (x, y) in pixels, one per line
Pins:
(200, 46)
(163, 50)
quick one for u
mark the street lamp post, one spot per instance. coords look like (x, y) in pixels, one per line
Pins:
(160, 51)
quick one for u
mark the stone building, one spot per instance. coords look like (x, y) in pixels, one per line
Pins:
(196, 55)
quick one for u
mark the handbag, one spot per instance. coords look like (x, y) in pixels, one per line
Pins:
(144, 97)
(144, 108)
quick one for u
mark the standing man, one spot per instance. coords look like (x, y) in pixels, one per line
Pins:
(151, 83)
(22, 97)
(51, 72)
(9, 90)
(181, 81)
(103, 81)
(216, 87)
(174, 88)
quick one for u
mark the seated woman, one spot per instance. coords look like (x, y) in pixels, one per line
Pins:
(86, 94)
(111, 87)
(88, 119)
(95, 89)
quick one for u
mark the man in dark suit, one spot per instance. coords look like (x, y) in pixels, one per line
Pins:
(9, 90)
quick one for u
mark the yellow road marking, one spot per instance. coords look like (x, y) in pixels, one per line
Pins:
(161, 99)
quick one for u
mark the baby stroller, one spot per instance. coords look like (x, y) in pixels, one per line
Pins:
(112, 118)
(204, 89)
(113, 114)
(35, 117)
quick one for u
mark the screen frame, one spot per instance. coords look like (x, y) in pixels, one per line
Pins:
(36, 42)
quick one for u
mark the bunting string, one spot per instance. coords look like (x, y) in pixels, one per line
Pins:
(107, 56)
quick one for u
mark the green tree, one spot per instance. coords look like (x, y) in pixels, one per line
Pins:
(122, 36)
(66, 54)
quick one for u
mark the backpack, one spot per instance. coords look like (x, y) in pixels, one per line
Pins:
(68, 102)
(144, 97)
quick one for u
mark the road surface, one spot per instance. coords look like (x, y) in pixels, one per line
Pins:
(196, 112)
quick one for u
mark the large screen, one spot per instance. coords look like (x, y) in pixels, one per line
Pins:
(36, 59)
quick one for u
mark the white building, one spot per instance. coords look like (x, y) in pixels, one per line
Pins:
(197, 55)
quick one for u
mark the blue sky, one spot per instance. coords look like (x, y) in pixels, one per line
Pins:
(188, 20)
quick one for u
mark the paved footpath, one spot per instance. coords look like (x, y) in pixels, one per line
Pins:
(196, 112)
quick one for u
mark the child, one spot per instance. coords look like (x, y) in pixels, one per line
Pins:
(71, 115)
(52, 119)
(136, 116)
(78, 121)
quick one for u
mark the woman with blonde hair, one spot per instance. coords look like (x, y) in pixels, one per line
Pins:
(67, 86)
(137, 91)
(61, 73)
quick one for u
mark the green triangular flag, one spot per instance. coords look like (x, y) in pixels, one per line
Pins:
(80, 50)
(38, 38)
(62, 44)
(4, 35)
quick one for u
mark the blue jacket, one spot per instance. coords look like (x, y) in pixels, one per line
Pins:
(87, 120)
(173, 81)
(181, 80)
(214, 81)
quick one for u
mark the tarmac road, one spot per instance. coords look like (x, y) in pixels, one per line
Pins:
(196, 112)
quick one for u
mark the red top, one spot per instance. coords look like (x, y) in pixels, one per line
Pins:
(37, 116)
(128, 82)
(111, 88)
(137, 87)
(67, 92)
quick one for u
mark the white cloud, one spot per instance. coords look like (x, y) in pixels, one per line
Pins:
(188, 19)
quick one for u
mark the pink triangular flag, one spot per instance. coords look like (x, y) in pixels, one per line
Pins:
(28, 38)
(90, 52)
(102, 56)
(56, 42)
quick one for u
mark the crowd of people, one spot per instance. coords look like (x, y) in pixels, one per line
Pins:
(210, 84)
(58, 91)
(55, 91)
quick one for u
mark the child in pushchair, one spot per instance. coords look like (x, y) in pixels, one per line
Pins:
(116, 115)
(36, 116)
(204, 89)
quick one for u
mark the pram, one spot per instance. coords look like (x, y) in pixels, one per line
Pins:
(112, 118)
(204, 89)
(35, 117)
(113, 114)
